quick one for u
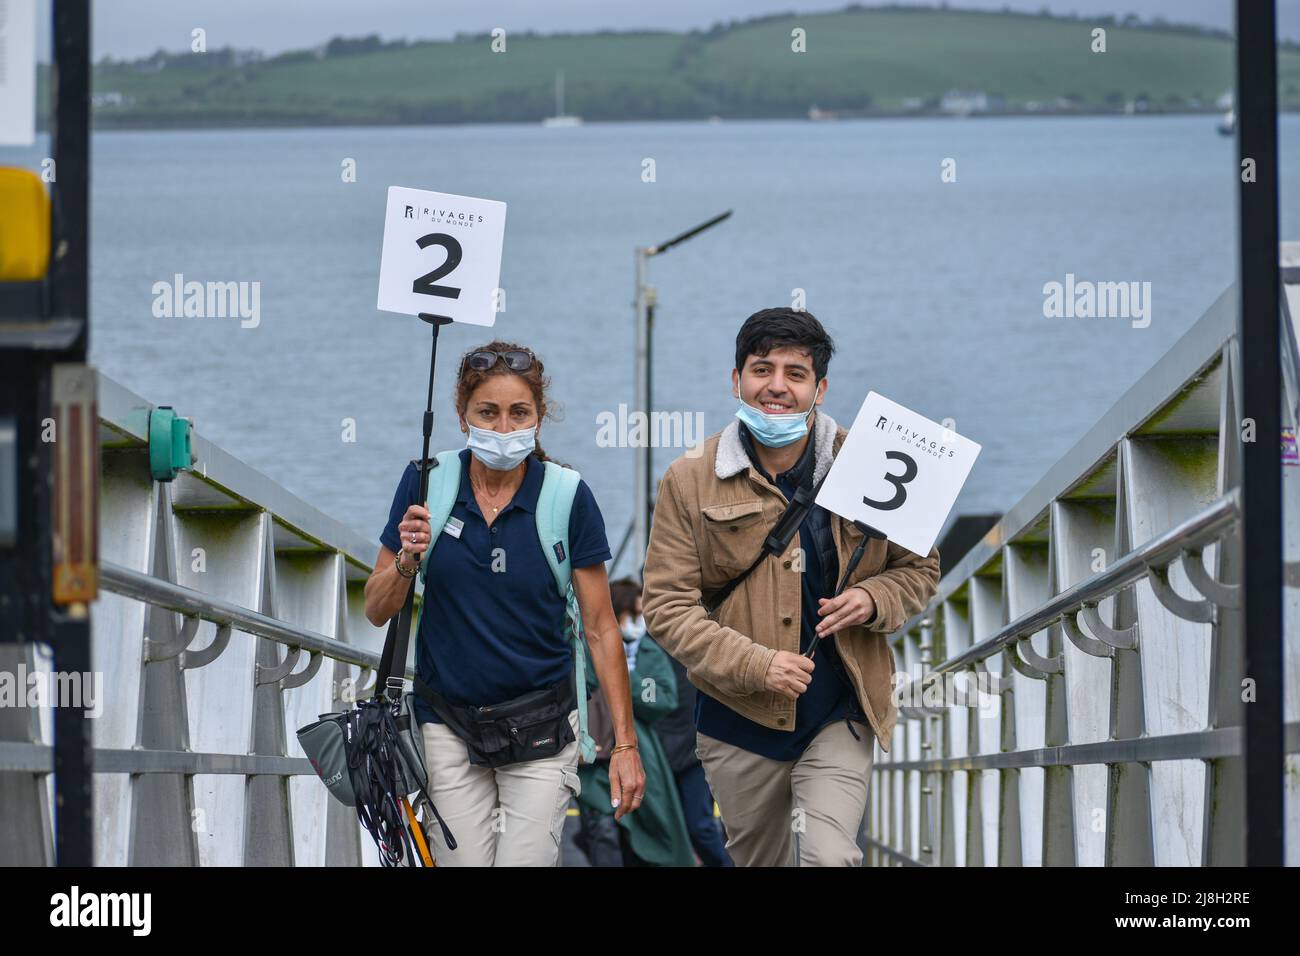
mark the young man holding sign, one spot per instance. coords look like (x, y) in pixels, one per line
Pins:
(775, 729)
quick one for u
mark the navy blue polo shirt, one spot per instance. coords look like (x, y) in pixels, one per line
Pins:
(829, 696)
(493, 623)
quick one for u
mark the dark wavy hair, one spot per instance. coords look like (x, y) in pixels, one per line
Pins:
(770, 329)
(534, 377)
(622, 595)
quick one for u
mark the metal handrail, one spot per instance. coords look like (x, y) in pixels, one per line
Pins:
(174, 597)
(1129, 569)
(1210, 744)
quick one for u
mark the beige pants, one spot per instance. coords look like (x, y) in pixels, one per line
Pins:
(817, 801)
(502, 816)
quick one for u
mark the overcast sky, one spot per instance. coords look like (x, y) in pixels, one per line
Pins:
(134, 28)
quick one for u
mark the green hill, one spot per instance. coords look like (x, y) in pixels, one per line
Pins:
(859, 61)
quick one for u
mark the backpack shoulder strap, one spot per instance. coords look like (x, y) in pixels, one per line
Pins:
(444, 484)
(554, 506)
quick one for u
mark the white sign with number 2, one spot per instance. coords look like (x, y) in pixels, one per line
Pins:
(441, 255)
(899, 473)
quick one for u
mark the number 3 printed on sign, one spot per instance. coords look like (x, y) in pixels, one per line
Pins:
(425, 283)
(898, 481)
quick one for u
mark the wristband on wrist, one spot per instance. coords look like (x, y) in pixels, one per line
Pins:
(401, 568)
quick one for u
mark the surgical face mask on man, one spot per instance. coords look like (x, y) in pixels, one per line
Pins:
(501, 452)
(633, 628)
(776, 430)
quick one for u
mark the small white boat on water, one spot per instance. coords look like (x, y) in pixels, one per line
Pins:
(561, 118)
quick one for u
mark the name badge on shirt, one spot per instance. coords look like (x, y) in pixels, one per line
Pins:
(453, 527)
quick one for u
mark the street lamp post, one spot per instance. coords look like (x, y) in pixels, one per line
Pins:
(643, 304)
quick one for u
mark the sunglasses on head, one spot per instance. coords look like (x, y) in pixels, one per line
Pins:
(517, 360)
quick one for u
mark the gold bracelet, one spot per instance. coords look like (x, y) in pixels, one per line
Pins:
(622, 747)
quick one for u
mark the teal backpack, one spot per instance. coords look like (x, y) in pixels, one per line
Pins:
(559, 485)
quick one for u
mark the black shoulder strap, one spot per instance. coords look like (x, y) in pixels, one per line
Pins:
(391, 653)
(393, 657)
(778, 539)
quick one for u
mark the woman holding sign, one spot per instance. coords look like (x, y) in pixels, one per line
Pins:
(503, 533)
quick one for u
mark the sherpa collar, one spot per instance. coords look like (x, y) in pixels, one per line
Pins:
(732, 460)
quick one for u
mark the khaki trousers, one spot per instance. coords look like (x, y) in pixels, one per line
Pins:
(502, 816)
(817, 801)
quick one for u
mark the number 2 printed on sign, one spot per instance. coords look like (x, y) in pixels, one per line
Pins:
(424, 285)
(465, 282)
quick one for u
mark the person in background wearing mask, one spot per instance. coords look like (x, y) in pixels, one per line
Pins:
(492, 628)
(775, 729)
(656, 834)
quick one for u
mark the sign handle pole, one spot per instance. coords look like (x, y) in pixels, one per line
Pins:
(870, 533)
(392, 664)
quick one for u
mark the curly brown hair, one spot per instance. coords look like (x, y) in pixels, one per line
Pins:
(534, 377)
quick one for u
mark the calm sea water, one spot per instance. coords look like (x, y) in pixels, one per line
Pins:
(932, 290)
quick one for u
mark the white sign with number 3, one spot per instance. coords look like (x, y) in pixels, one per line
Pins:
(898, 472)
(441, 255)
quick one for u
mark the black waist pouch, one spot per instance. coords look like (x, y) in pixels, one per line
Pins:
(529, 727)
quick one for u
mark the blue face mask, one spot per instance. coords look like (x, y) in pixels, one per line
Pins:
(775, 430)
(501, 452)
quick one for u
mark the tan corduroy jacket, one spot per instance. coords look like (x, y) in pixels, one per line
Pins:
(712, 515)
